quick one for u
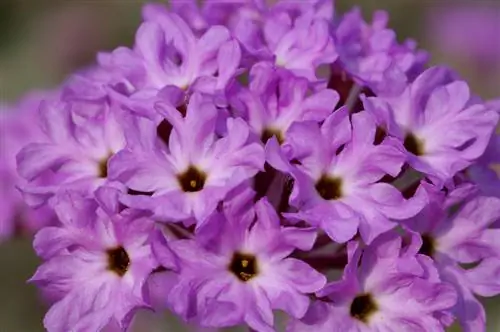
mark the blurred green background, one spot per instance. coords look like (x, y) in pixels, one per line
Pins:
(42, 41)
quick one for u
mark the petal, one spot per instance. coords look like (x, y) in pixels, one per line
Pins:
(392, 204)
(39, 157)
(301, 276)
(301, 238)
(49, 241)
(211, 41)
(142, 172)
(150, 43)
(484, 279)
(228, 60)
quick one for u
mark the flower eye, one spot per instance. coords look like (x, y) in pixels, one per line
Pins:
(243, 266)
(192, 180)
(362, 307)
(118, 260)
(329, 188)
(414, 145)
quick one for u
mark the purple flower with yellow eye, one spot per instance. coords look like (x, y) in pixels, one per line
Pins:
(300, 47)
(190, 176)
(443, 127)
(274, 101)
(97, 261)
(73, 153)
(385, 287)
(245, 272)
(469, 236)
(168, 60)
(337, 172)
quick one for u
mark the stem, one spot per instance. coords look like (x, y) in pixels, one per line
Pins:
(353, 96)
(409, 179)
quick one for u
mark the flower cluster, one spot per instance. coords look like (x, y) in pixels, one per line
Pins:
(239, 152)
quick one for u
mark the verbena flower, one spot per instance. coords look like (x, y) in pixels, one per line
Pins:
(468, 236)
(239, 153)
(385, 286)
(170, 60)
(444, 128)
(73, 153)
(96, 263)
(190, 176)
(274, 101)
(245, 272)
(337, 178)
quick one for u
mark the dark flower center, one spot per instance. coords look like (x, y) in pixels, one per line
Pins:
(268, 133)
(428, 247)
(118, 260)
(192, 180)
(329, 188)
(243, 266)
(414, 145)
(103, 168)
(362, 307)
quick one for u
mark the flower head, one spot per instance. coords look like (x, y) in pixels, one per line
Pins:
(190, 176)
(245, 273)
(96, 263)
(444, 129)
(74, 151)
(337, 179)
(468, 236)
(376, 282)
(274, 101)
(168, 59)
(220, 170)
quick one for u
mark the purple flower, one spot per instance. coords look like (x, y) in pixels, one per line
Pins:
(371, 55)
(337, 178)
(468, 236)
(19, 126)
(168, 60)
(274, 101)
(385, 287)
(213, 167)
(300, 46)
(190, 176)
(96, 263)
(289, 34)
(74, 152)
(245, 272)
(444, 129)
